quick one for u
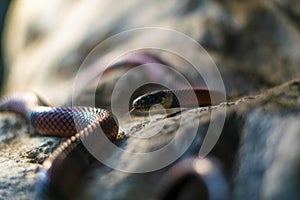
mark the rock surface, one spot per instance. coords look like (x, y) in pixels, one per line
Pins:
(256, 46)
(258, 147)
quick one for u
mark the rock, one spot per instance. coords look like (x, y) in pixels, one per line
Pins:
(18, 171)
(258, 145)
(258, 148)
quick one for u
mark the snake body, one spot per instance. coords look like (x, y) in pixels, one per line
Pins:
(60, 173)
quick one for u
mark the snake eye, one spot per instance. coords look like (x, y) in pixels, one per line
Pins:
(150, 98)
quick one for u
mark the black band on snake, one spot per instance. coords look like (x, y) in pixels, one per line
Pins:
(61, 172)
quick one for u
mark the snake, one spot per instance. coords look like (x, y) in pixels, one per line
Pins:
(61, 172)
(168, 99)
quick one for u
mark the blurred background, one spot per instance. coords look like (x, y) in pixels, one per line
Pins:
(3, 11)
(255, 44)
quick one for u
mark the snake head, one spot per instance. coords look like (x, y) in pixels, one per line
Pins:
(151, 100)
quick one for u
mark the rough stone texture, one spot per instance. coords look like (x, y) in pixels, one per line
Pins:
(259, 147)
(255, 44)
(18, 166)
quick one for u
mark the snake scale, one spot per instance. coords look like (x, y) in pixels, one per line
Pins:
(61, 172)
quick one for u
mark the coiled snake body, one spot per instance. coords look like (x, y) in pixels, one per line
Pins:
(61, 171)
